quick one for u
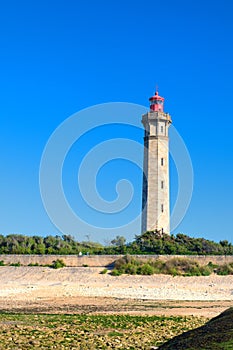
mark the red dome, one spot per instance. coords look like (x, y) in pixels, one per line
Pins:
(156, 97)
(156, 103)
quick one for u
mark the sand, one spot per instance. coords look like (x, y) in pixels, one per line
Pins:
(80, 289)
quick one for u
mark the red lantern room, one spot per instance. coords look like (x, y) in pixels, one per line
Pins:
(156, 103)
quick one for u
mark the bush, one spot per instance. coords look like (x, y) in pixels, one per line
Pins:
(116, 272)
(226, 269)
(104, 271)
(33, 264)
(2, 263)
(127, 259)
(206, 270)
(185, 267)
(57, 264)
(130, 269)
(211, 265)
(174, 267)
(158, 265)
(15, 264)
(145, 269)
(84, 265)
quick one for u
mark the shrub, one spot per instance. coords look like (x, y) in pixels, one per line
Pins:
(2, 263)
(158, 265)
(57, 264)
(185, 267)
(205, 270)
(104, 271)
(84, 265)
(174, 267)
(211, 265)
(226, 269)
(127, 259)
(130, 269)
(145, 269)
(116, 272)
(33, 264)
(171, 271)
(15, 264)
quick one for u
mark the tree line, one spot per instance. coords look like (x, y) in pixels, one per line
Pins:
(147, 243)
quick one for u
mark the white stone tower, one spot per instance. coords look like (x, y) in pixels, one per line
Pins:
(155, 194)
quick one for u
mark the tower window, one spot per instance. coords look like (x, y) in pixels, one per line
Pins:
(162, 184)
(162, 161)
(161, 129)
(162, 208)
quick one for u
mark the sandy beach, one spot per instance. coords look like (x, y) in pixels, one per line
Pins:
(84, 289)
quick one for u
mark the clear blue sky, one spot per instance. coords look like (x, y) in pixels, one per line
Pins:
(58, 57)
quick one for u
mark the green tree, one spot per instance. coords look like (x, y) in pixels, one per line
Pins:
(119, 241)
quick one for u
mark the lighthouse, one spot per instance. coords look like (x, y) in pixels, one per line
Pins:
(155, 192)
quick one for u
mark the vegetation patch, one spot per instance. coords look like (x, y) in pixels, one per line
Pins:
(151, 242)
(57, 264)
(175, 267)
(87, 332)
(17, 264)
(226, 269)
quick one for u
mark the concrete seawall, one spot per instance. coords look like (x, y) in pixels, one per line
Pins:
(106, 260)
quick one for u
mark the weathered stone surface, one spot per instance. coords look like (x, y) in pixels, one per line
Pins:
(155, 196)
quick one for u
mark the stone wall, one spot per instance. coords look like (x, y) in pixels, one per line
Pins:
(105, 260)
